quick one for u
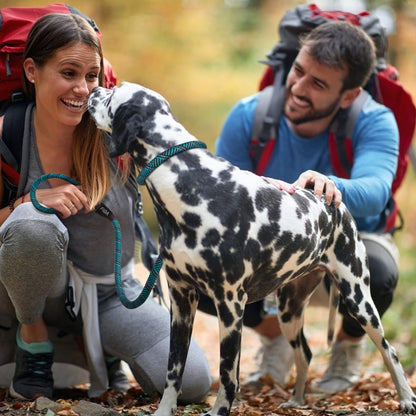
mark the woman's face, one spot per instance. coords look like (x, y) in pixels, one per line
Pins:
(64, 83)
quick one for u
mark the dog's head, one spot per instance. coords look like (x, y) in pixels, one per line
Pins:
(126, 112)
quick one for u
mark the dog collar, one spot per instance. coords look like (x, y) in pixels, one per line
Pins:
(164, 156)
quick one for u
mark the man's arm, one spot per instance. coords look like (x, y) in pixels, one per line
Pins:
(375, 147)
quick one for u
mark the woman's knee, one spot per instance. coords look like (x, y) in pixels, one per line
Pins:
(32, 260)
(150, 369)
(141, 338)
(32, 236)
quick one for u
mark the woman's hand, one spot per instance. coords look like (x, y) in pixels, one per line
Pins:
(66, 199)
(321, 184)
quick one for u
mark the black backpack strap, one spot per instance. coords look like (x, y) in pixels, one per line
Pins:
(24, 149)
(267, 116)
(12, 136)
(14, 148)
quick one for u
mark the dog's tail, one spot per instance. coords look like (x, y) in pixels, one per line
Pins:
(333, 308)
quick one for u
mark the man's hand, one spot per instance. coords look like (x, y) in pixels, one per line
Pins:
(321, 184)
(281, 185)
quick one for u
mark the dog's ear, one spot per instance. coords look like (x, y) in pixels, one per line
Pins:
(127, 125)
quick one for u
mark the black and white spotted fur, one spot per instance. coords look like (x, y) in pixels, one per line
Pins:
(234, 236)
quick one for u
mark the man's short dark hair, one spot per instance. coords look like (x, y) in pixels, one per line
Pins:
(342, 45)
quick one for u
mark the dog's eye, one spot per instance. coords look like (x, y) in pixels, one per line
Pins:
(107, 100)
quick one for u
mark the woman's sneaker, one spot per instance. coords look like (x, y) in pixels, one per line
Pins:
(33, 375)
(117, 378)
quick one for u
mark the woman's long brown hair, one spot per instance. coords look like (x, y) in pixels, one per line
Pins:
(90, 162)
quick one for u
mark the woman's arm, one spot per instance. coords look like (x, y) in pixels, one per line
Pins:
(66, 199)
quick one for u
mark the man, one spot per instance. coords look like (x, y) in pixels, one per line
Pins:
(334, 62)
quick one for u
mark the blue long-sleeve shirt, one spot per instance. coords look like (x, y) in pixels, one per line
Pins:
(375, 142)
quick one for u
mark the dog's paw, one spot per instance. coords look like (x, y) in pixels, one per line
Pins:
(408, 406)
(164, 411)
(292, 403)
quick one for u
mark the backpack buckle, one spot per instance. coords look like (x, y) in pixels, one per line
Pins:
(17, 96)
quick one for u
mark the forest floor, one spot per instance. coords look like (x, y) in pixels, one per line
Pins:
(375, 393)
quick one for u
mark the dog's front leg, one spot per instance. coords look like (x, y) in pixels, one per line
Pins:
(184, 301)
(230, 326)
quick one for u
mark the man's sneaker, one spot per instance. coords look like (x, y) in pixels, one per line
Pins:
(32, 375)
(275, 359)
(344, 367)
(117, 379)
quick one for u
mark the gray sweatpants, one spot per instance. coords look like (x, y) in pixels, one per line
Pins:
(33, 284)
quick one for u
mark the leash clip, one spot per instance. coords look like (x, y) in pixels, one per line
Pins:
(102, 210)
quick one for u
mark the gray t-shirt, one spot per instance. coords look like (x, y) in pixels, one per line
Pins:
(91, 236)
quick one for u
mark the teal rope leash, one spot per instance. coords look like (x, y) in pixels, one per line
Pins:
(105, 212)
(102, 210)
(164, 156)
(150, 280)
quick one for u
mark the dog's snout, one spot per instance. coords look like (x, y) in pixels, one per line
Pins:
(99, 102)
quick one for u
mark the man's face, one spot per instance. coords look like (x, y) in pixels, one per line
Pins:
(313, 94)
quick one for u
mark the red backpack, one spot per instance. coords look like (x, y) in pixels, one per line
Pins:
(15, 24)
(383, 85)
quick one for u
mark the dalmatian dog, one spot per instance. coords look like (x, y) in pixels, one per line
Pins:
(236, 237)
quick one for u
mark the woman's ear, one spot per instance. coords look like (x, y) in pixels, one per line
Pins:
(348, 97)
(30, 69)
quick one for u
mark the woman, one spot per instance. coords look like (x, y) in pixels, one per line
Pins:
(44, 257)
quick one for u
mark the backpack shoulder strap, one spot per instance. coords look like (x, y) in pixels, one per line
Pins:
(14, 149)
(355, 109)
(24, 149)
(265, 95)
(340, 135)
(266, 120)
(12, 136)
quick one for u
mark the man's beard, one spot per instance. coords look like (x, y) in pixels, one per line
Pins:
(312, 115)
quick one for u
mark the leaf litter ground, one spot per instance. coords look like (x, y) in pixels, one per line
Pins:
(374, 393)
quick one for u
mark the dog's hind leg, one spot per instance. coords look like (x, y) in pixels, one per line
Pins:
(184, 301)
(333, 309)
(293, 298)
(357, 297)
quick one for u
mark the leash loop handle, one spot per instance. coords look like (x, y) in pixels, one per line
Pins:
(44, 178)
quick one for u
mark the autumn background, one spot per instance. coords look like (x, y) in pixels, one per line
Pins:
(202, 55)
